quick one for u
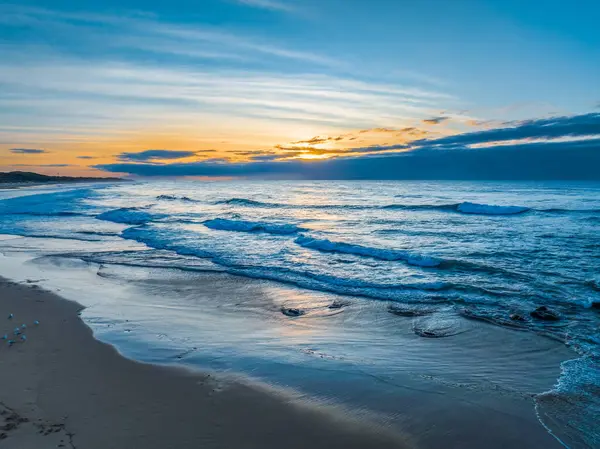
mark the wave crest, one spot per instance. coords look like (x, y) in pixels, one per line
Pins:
(128, 215)
(223, 224)
(418, 207)
(253, 203)
(464, 207)
(486, 209)
(366, 251)
(247, 202)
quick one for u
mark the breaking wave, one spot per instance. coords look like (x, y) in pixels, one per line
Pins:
(464, 208)
(418, 207)
(486, 209)
(570, 410)
(483, 272)
(365, 251)
(223, 224)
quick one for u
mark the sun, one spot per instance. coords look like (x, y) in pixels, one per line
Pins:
(313, 156)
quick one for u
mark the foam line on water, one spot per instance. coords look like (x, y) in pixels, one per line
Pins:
(365, 251)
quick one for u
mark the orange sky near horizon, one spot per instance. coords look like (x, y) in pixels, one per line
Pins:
(75, 155)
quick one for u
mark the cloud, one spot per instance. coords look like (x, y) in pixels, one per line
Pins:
(154, 155)
(536, 161)
(127, 28)
(314, 141)
(552, 156)
(435, 120)
(27, 151)
(261, 155)
(413, 132)
(152, 69)
(321, 139)
(409, 133)
(378, 130)
(43, 165)
(547, 128)
(266, 157)
(268, 4)
(86, 157)
(249, 153)
(294, 151)
(578, 126)
(216, 160)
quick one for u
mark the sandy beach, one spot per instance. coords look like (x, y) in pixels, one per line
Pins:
(63, 388)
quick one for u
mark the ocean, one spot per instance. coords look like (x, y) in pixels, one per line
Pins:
(298, 282)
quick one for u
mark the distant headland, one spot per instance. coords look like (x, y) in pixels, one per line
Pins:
(17, 177)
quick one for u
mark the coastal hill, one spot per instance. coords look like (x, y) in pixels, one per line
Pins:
(14, 177)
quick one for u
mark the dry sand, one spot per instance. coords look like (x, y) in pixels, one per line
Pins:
(63, 388)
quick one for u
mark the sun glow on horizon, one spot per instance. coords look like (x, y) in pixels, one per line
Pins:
(309, 156)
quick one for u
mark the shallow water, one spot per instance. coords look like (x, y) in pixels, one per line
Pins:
(437, 250)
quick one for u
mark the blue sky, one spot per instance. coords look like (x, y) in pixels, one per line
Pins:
(219, 82)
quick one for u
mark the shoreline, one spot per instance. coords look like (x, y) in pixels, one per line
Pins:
(64, 388)
(163, 289)
(68, 384)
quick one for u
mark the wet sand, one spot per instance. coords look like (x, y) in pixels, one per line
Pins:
(63, 388)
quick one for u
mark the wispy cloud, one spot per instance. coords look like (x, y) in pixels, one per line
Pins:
(141, 74)
(268, 4)
(148, 33)
(378, 130)
(59, 88)
(319, 140)
(27, 151)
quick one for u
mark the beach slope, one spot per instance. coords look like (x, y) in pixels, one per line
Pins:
(63, 388)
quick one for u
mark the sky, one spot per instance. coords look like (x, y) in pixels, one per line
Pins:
(323, 89)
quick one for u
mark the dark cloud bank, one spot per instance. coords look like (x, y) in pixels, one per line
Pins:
(444, 158)
(43, 165)
(152, 155)
(27, 151)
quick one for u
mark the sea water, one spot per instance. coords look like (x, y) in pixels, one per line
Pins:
(363, 262)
